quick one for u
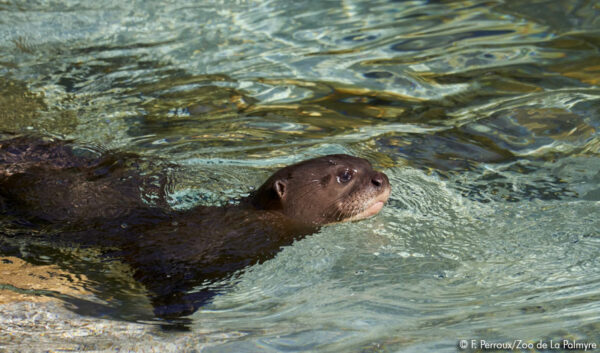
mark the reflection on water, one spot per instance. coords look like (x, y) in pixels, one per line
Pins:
(483, 113)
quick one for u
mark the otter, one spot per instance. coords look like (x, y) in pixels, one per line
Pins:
(94, 197)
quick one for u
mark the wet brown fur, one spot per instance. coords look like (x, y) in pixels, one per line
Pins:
(94, 195)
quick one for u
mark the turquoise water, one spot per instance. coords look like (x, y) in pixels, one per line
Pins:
(484, 114)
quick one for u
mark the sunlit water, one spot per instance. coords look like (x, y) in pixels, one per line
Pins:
(484, 115)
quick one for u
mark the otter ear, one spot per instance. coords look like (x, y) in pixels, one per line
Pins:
(280, 187)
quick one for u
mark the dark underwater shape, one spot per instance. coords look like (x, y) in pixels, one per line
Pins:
(94, 197)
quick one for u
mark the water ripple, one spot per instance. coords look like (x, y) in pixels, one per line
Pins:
(484, 114)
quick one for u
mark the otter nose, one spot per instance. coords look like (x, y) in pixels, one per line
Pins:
(377, 179)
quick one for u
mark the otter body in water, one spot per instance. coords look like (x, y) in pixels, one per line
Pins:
(95, 198)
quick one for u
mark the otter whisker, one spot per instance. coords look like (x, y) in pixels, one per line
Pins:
(308, 191)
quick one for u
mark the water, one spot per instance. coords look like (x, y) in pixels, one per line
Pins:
(483, 113)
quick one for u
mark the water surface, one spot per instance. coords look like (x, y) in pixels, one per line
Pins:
(484, 114)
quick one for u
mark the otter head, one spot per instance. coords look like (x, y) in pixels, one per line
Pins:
(323, 190)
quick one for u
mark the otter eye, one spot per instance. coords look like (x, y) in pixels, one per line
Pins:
(344, 177)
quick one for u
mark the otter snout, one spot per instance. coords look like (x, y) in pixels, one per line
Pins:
(378, 179)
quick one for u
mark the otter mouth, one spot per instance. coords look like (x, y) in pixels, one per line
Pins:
(373, 207)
